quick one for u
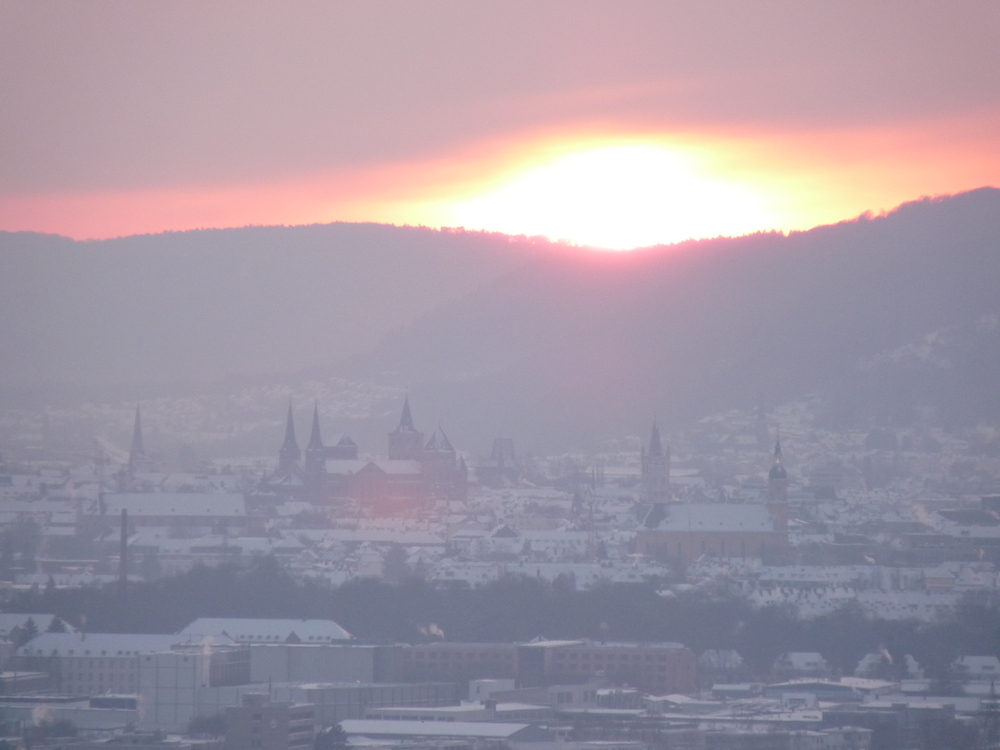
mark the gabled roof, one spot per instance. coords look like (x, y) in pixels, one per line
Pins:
(811, 686)
(398, 466)
(732, 517)
(285, 481)
(439, 442)
(199, 504)
(980, 665)
(261, 630)
(351, 466)
(98, 644)
(486, 730)
(504, 532)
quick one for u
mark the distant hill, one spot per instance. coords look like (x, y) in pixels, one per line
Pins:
(203, 305)
(890, 317)
(581, 346)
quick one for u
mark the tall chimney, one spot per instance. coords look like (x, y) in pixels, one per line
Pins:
(123, 553)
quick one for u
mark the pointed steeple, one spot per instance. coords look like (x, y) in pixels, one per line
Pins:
(432, 442)
(405, 443)
(290, 447)
(445, 443)
(315, 439)
(406, 420)
(777, 470)
(136, 453)
(655, 446)
(655, 462)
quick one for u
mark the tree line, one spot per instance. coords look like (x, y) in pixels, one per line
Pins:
(519, 609)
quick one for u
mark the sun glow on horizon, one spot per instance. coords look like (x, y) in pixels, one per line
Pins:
(618, 196)
(593, 186)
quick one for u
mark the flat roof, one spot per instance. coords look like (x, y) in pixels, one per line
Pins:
(391, 728)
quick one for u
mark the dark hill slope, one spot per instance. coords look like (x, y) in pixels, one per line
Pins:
(577, 347)
(205, 304)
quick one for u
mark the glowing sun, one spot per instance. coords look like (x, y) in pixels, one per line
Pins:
(619, 197)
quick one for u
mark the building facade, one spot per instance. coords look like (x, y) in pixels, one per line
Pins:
(260, 724)
(653, 667)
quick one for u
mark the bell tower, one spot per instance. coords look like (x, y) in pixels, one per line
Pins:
(289, 454)
(315, 463)
(137, 459)
(405, 443)
(777, 489)
(656, 469)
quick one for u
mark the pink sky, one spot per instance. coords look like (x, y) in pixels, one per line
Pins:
(123, 117)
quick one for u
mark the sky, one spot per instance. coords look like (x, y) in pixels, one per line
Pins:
(608, 124)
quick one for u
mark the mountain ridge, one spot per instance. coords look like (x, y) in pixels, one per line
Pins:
(553, 345)
(701, 326)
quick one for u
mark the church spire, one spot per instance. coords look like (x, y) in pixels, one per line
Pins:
(655, 464)
(655, 445)
(445, 444)
(777, 472)
(406, 420)
(315, 439)
(405, 443)
(136, 452)
(290, 447)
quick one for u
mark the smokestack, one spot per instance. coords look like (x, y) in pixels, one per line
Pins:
(123, 553)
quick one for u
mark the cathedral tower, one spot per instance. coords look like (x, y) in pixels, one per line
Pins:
(777, 478)
(656, 469)
(137, 459)
(289, 454)
(777, 489)
(315, 463)
(315, 451)
(405, 443)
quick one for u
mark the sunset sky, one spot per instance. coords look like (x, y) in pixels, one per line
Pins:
(613, 124)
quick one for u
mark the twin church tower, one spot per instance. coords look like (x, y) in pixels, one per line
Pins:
(655, 462)
(419, 470)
